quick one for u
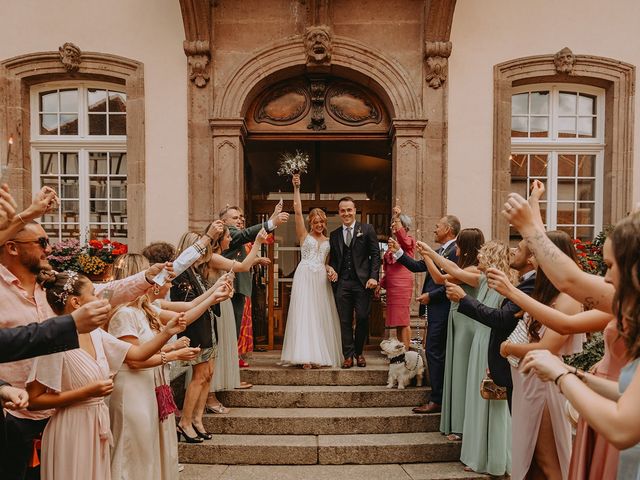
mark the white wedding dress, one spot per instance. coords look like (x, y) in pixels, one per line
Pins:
(312, 334)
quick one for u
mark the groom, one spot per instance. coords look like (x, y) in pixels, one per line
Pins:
(353, 269)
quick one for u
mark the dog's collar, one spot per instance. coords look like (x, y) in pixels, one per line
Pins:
(398, 359)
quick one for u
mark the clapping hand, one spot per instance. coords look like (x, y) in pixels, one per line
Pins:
(455, 293)
(7, 207)
(13, 398)
(176, 325)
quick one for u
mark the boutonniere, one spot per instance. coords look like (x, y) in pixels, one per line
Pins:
(359, 233)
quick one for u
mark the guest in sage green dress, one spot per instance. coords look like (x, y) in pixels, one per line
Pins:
(486, 434)
(460, 328)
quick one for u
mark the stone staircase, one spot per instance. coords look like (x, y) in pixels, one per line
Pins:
(323, 417)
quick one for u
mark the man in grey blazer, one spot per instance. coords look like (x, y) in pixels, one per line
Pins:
(233, 218)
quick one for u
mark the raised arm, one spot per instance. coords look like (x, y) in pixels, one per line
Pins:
(301, 230)
(45, 200)
(591, 290)
(222, 263)
(469, 276)
(561, 322)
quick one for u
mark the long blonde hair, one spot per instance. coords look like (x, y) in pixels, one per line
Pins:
(125, 266)
(495, 254)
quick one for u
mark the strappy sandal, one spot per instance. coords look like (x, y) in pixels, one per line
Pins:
(216, 408)
(454, 437)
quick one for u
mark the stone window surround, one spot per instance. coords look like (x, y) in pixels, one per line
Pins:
(19, 74)
(616, 78)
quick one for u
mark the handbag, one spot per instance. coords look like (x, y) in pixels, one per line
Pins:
(490, 391)
(520, 335)
(164, 397)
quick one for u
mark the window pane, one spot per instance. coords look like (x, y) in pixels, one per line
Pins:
(49, 101)
(98, 231)
(70, 211)
(566, 127)
(119, 231)
(97, 163)
(586, 104)
(539, 126)
(586, 189)
(519, 186)
(69, 163)
(518, 165)
(566, 165)
(97, 124)
(585, 233)
(97, 100)
(69, 188)
(117, 102)
(566, 213)
(586, 165)
(567, 228)
(566, 190)
(586, 127)
(117, 124)
(99, 208)
(68, 124)
(118, 163)
(70, 230)
(519, 104)
(118, 209)
(519, 127)
(69, 101)
(48, 163)
(567, 103)
(118, 188)
(586, 213)
(538, 166)
(539, 103)
(52, 231)
(98, 187)
(48, 124)
(51, 182)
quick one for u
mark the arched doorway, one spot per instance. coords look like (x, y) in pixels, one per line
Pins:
(344, 128)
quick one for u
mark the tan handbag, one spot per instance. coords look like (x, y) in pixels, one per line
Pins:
(490, 391)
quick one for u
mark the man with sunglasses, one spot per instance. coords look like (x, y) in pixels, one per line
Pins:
(22, 301)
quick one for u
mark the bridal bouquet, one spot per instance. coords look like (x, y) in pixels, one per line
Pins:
(291, 164)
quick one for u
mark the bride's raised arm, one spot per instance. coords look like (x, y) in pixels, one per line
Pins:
(301, 229)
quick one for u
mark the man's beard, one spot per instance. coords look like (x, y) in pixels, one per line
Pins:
(36, 265)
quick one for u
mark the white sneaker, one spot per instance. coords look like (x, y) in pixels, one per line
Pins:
(180, 467)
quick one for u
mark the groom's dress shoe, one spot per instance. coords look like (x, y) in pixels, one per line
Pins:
(361, 361)
(430, 407)
(348, 363)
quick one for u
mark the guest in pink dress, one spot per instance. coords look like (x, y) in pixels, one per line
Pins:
(398, 281)
(594, 458)
(541, 438)
(76, 441)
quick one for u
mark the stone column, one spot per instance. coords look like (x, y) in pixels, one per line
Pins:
(410, 173)
(228, 162)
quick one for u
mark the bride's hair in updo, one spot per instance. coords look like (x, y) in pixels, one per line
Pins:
(318, 212)
(60, 286)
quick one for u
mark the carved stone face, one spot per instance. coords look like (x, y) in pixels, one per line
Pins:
(70, 56)
(318, 45)
(564, 61)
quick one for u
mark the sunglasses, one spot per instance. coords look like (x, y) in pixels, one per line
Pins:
(42, 241)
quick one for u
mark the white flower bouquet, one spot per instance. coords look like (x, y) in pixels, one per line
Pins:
(292, 164)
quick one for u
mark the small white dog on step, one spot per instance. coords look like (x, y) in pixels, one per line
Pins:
(403, 365)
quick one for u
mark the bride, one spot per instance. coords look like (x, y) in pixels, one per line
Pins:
(312, 335)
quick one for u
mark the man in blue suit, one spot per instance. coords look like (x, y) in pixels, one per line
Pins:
(436, 304)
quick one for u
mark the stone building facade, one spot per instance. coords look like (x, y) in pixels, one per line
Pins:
(440, 106)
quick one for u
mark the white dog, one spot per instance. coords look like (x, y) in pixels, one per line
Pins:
(403, 365)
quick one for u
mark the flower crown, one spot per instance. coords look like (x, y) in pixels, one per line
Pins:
(68, 287)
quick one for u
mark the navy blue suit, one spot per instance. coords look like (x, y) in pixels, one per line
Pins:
(502, 322)
(437, 315)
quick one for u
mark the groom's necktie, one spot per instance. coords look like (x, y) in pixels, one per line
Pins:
(349, 237)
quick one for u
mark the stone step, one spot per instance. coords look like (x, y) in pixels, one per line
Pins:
(323, 449)
(320, 421)
(323, 396)
(325, 376)
(412, 471)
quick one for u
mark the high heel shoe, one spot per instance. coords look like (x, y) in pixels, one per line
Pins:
(187, 438)
(203, 435)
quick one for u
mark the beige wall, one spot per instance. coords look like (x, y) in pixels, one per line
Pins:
(132, 29)
(489, 32)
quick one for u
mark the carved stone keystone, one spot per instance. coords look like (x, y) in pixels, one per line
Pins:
(318, 45)
(70, 56)
(564, 60)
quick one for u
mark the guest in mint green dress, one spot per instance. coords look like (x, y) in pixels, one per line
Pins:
(460, 328)
(486, 434)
